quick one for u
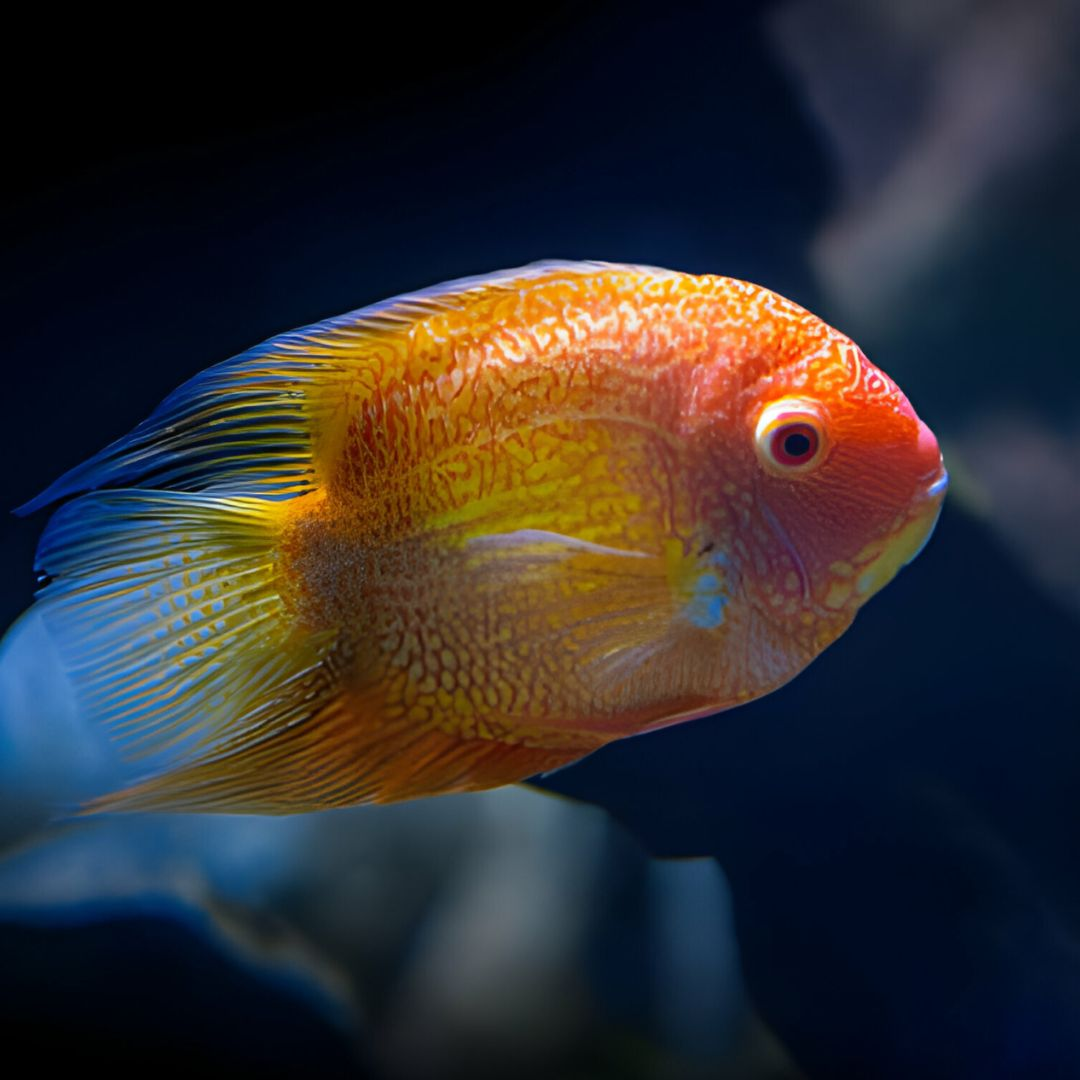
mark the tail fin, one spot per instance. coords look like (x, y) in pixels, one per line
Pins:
(167, 611)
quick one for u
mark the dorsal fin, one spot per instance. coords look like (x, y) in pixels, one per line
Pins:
(247, 426)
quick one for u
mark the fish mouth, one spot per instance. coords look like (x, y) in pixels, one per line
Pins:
(908, 542)
(939, 486)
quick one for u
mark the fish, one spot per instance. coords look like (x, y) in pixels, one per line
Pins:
(471, 534)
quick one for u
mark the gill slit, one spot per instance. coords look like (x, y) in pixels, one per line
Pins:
(781, 534)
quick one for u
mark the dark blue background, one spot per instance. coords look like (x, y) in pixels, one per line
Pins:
(899, 826)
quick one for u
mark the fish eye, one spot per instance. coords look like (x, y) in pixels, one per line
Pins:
(794, 444)
(790, 437)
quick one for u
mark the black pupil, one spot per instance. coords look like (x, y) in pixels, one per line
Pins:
(797, 444)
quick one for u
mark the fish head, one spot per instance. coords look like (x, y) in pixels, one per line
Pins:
(847, 485)
(824, 482)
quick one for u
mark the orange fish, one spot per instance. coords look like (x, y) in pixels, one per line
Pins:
(473, 533)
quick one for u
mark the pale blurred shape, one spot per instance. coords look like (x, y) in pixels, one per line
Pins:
(699, 993)
(1025, 477)
(928, 105)
(497, 977)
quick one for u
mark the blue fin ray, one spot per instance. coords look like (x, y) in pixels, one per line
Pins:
(167, 613)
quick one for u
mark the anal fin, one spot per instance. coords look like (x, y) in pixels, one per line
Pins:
(336, 758)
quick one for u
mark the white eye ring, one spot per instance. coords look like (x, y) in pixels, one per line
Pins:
(790, 436)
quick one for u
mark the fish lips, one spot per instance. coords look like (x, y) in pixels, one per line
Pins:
(908, 542)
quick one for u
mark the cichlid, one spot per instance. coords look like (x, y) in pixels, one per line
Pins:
(473, 533)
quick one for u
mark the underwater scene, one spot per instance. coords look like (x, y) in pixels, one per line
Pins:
(448, 456)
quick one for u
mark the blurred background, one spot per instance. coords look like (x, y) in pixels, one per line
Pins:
(873, 872)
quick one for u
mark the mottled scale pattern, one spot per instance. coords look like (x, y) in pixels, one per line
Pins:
(498, 524)
(580, 406)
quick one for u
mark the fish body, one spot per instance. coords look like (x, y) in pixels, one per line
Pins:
(474, 533)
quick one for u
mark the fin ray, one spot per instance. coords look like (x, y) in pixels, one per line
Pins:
(201, 621)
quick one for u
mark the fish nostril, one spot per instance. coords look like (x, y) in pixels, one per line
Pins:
(928, 455)
(927, 444)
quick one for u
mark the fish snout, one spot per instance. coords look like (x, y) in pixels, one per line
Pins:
(928, 454)
(908, 541)
(935, 477)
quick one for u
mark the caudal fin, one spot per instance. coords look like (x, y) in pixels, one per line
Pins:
(168, 614)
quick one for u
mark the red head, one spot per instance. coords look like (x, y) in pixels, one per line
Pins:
(826, 483)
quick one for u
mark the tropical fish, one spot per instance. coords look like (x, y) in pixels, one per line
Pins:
(473, 533)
